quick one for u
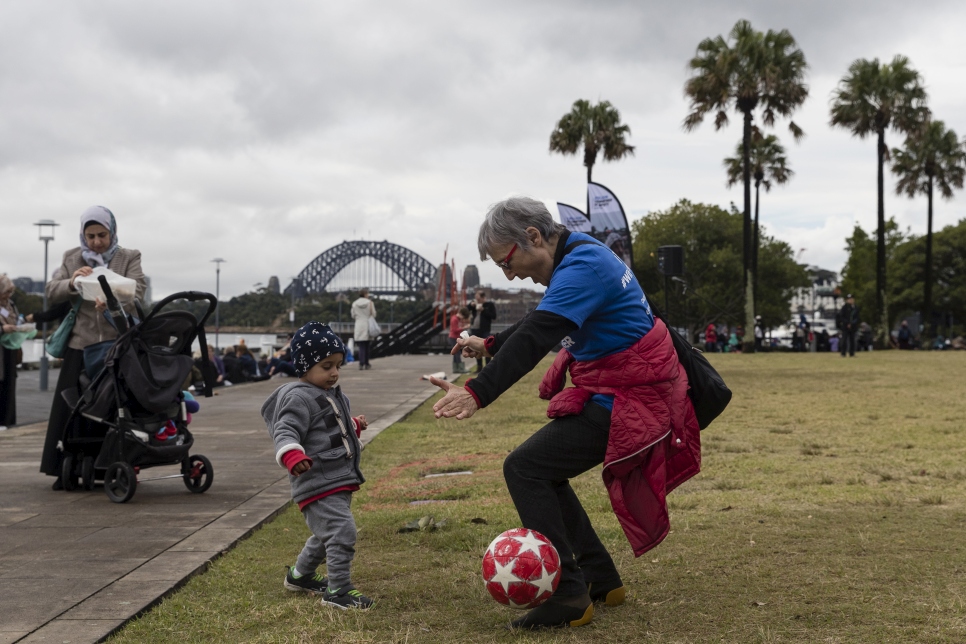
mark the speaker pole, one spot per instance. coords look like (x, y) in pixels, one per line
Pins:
(667, 311)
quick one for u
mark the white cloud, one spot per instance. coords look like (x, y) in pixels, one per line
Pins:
(265, 133)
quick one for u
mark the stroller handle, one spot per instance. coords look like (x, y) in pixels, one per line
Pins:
(117, 313)
(191, 296)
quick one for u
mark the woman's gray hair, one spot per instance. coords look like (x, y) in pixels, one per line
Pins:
(507, 223)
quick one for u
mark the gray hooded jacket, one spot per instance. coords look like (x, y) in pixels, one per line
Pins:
(317, 421)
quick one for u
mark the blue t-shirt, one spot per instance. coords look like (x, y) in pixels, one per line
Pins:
(594, 289)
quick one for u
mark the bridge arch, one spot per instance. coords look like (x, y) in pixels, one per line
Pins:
(414, 270)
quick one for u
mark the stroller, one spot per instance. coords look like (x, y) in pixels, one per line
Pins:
(112, 430)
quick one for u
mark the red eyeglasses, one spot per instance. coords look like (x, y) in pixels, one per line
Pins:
(505, 264)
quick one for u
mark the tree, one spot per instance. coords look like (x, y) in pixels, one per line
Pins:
(933, 156)
(753, 71)
(870, 99)
(768, 163)
(858, 274)
(712, 237)
(597, 128)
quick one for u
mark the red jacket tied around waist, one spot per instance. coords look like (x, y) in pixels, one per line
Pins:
(654, 443)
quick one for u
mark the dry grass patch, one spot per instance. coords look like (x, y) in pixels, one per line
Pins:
(768, 544)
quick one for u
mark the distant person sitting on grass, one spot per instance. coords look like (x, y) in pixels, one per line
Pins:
(312, 417)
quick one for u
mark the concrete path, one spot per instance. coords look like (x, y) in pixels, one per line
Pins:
(74, 567)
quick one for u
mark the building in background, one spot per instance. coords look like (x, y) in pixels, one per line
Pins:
(821, 300)
(471, 277)
(29, 285)
(273, 285)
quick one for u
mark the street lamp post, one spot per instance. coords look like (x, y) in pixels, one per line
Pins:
(218, 262)
(45, 230)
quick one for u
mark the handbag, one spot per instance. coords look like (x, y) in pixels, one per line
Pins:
(94, 355)
(708, 392)
(57, 345)
(374, 330)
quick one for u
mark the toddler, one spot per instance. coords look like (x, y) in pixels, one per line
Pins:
(317, 441)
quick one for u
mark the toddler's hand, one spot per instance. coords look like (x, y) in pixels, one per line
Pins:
(301, 467)
(362, 422)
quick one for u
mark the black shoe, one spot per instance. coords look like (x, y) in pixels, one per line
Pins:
(555, 614)
(346, 597)
(610, 592)
(368, 366)
(306, 583)
(58, 484)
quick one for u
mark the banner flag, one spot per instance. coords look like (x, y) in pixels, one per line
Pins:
(608, 223)
(575, 220)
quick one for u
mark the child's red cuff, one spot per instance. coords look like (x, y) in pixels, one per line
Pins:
(358, 426)
(293, 457)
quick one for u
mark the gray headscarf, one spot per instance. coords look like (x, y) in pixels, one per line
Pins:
(104, 217)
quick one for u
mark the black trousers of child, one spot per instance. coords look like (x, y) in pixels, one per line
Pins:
(537, 475)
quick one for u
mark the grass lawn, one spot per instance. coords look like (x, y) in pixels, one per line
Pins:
(830, 508)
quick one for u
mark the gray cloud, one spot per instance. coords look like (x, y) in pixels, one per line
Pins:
(267, 132)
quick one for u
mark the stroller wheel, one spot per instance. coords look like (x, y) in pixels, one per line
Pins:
(198, 473)
(87, 473)
(120, 482)
(67, 475)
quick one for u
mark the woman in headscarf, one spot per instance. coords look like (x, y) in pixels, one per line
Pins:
(98, 247)
(8, 359)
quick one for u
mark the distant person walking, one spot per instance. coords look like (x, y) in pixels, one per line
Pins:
(458, 322)
(362, 310)
(9, 353)
(759, 333)
(99, 247)
(485, 312)
(848, 325)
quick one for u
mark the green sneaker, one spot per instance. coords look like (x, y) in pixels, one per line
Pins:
(346, 597)
(315, 584)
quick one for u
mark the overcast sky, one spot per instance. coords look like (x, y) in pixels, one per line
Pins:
(267, 132)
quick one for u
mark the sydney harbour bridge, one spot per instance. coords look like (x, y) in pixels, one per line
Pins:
(381, 266)
(385, 269)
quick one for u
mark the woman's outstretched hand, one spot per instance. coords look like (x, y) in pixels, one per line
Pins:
(457, 402)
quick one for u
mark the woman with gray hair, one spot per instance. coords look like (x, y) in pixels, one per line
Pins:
(628, 408)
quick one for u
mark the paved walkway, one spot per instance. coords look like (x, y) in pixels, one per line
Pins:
(75, 567)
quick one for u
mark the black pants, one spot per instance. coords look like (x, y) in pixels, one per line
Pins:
(847, 342)
(363, 352)
(70, 371)
(8, 387)
(537, 474)
(479, 361)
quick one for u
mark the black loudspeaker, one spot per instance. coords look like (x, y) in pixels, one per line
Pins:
(670, 260)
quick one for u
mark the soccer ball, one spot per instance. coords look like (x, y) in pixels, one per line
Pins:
(521, 568)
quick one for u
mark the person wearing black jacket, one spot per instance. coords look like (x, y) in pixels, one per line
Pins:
(594, 307)
(848, 325)
(486, 311)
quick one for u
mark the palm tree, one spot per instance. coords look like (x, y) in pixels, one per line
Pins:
(768, 163)
(933, 156)
(597, 128)
(750, 71)
(870, 99)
